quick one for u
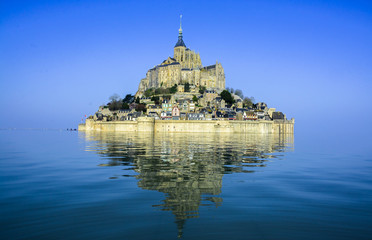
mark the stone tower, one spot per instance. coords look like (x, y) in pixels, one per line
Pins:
(184, 67)
(186, 57)
(180, 47)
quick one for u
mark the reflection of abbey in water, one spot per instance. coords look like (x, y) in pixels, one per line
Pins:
(188, 168)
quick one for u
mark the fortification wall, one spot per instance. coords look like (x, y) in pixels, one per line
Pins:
(146, 124)
(118, 126)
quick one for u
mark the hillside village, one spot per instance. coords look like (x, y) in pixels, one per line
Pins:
(195, 104)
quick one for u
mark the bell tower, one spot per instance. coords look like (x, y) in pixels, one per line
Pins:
(180, 47)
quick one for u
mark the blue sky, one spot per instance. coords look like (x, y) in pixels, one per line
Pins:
(60, 60)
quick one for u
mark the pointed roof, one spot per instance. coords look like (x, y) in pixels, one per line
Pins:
(180, 42)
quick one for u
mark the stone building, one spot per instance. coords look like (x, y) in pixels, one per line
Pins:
(184, 67)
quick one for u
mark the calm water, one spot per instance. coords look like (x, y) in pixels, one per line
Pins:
(70, 185)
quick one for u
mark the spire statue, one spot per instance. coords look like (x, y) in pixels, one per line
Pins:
(180, 30)
(180, 42)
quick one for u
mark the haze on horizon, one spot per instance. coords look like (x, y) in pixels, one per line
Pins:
(60, 60)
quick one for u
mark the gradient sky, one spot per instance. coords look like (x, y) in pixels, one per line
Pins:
(60, 60)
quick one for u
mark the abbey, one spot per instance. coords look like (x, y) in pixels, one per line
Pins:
(184, 67)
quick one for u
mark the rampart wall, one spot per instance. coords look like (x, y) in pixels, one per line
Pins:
(147, 124)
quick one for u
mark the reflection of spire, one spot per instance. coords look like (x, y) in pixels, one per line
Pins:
(180, 224)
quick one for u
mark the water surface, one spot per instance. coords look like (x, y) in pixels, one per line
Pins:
(59, 184)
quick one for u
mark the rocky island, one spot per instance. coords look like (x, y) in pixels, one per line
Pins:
(182, 95)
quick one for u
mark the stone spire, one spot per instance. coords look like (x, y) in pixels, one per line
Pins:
(180, 42)
(180, 30)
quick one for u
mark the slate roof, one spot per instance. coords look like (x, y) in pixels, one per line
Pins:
(170, 59)
(210, 67)
(278, 115)
(164, 65)
(180, 42)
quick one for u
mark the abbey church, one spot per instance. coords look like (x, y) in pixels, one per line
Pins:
(184, 67)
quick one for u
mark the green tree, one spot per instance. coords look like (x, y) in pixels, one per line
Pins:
(158, 91)
(252, 99)
(137, 100)
(114, 97)
(115, 103)
(141, 107)
(165, 91)
(149, 92)
(173, 89)
(128, 98)
(202, 89)
(195, 99)
(239, 93)
(125, 106)
(226, 95)
(155, 99)
(247, 102)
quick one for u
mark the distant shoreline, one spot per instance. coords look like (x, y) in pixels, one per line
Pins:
(34, 129)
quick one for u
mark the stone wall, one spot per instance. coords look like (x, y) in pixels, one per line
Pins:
(146, 124)
(119, 126)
